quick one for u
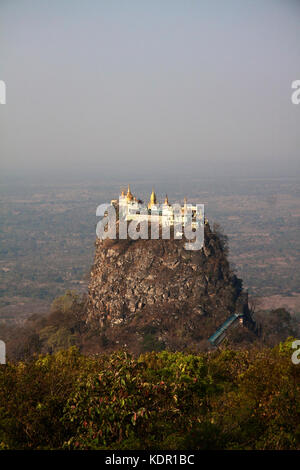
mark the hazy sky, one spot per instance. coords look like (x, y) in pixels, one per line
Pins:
(150, 87)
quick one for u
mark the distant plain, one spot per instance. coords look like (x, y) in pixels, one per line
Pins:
(47, 234)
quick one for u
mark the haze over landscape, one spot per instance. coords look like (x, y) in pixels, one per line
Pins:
(149, 89)
(191, 97)
(144, 344)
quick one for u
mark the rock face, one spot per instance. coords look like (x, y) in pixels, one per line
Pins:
(159, 288)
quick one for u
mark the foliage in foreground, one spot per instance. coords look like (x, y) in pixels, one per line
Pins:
(221, 400)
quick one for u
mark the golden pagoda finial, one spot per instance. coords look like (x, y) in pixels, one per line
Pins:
(153, 197)
(129, 195)
(152, 201)
(166, 200)
(122, 193)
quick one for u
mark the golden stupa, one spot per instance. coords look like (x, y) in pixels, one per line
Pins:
(129, 195)
(152, 201)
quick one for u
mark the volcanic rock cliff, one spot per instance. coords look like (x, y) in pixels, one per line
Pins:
(152, 294)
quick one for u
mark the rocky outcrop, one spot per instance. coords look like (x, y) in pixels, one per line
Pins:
(159, 284)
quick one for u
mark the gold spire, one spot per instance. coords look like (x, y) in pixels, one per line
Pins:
(122, 193)
(153, 197)
(166, 200)
(129, 195)
(152, 201)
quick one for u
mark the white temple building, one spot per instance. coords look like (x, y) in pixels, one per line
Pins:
(131, 208)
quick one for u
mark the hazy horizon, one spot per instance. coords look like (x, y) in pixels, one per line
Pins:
(149, 89)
